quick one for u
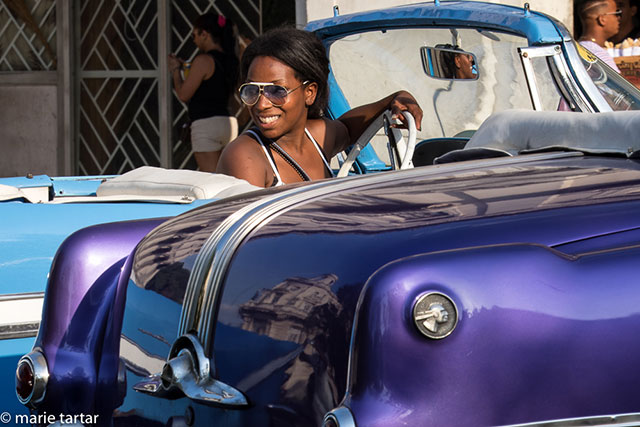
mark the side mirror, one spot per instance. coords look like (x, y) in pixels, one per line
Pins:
(449, 62)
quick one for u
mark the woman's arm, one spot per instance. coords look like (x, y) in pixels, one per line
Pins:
(357, 119)
(244, 159)
(202, 67)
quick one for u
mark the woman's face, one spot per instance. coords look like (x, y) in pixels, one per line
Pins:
(464, 65)
(276, 121)
(198, 37)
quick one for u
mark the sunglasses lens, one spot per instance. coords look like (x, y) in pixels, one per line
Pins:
(249, 93)
(276, 94)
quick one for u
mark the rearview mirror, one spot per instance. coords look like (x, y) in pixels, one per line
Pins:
(449, 62)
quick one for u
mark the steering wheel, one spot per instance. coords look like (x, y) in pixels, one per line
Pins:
(401, 152)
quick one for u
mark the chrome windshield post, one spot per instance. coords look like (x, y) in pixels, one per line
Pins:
(566, 85)
(561, 74)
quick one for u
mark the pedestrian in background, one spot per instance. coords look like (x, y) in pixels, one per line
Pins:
(629, 23)
(208, 86)
(600, 21)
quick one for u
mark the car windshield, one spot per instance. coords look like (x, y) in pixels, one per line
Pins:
(503, 73)
(615, 89)
(452, 107)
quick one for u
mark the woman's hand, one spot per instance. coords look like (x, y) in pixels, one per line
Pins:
(357, 119)
(404, 101)
(174, 62)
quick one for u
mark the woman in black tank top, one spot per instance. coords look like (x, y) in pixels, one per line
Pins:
(208, 86)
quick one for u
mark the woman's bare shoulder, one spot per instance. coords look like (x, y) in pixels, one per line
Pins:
(202, 57)
(244, 158)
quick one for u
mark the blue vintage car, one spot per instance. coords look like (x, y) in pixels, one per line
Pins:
(494, 288)
(39, 212)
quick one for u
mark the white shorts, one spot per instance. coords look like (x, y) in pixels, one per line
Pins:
(213, 133)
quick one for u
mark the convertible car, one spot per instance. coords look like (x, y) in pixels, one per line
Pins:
(492, 288)
(39, 212)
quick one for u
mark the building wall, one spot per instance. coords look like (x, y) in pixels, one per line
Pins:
(28, 130)
(36, 117)
(29, 86)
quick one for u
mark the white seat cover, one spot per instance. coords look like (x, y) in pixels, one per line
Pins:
(149, 181)
(516, 130)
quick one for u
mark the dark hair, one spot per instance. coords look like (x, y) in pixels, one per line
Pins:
(448, 59)
(221, 30)
(586, 8)
(300, 50)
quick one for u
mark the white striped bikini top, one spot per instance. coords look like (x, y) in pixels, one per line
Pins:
(278, 180)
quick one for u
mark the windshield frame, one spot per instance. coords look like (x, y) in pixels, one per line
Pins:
(589, 90)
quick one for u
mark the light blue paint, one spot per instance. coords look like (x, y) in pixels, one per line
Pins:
(10, 353)
(30, 234)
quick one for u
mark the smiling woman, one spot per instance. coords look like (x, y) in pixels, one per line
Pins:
(284, 74)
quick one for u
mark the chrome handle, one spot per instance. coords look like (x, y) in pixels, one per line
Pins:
(187, 373)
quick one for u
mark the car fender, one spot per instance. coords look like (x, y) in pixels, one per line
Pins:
(79, 302)
(549, 329)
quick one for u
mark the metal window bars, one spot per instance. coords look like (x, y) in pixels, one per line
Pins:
(27, 35)
(120, 99)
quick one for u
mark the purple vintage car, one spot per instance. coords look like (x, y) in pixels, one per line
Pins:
(496, 287)
(497, 291)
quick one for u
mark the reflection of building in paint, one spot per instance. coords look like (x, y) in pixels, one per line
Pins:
(164, 259)
(292, 310)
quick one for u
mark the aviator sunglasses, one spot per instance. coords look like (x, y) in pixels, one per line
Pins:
(617, 13)
(276, 94)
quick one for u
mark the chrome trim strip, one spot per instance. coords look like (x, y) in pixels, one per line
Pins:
(19, 330)
(26, 295)
(584, 81)
(568, 83)
(20, 315)
(620, 420)
(530, 75)
(205, 281)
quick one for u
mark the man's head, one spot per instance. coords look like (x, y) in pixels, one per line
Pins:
(628, 10)
(601, 16)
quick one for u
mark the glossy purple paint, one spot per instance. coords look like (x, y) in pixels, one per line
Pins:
(541, 336)
(349, 235)
(110, 393)
(85, 272)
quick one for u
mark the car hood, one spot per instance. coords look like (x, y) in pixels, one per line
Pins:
(396, 201)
